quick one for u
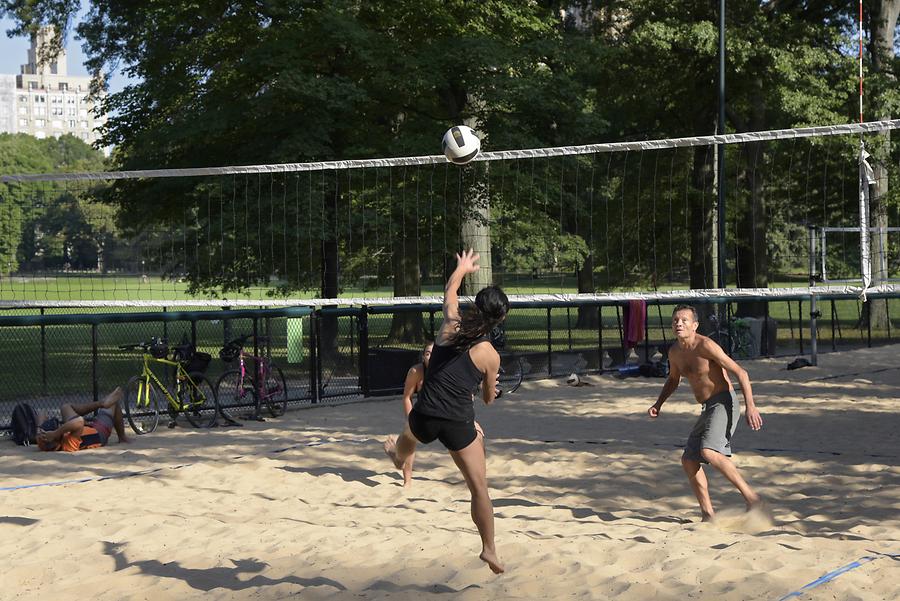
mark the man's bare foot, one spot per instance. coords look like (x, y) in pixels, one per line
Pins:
(758, 505)
(113, 398)
(490, 558)
(708, 517)
(390, 449)
(124, 440)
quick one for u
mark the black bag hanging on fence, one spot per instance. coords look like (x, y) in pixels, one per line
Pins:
(24, 424)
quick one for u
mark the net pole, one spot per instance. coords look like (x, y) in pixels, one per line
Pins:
(860, 61)
(866, 176)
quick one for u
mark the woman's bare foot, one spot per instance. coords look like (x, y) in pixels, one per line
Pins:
(390, 449)
(490, 558)
(407, 470)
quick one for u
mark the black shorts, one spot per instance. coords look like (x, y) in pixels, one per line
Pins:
(454, 435)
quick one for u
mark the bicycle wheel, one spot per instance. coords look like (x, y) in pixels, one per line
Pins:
(743, 344)
(512, 372)
(234, 392)
(275, 391)
(141, 405)
(198, 401)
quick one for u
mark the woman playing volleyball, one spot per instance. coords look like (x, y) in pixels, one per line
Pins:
(462, 359)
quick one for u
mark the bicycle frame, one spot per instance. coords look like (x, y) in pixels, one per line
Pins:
(262, 373)
(149, 378)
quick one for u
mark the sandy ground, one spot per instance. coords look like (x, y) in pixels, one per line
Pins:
(590, 502)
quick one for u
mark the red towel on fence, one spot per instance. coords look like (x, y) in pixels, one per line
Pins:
(635, 319)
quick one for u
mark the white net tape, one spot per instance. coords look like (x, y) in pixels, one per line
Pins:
(668, 298)
(778, 134)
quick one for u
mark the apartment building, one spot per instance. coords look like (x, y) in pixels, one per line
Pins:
(44, 100)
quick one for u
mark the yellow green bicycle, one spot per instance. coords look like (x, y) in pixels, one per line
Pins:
(190, 393)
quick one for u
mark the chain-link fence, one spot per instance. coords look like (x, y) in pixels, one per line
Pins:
(54, 356)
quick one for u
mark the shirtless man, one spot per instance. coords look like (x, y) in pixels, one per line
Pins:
(706, 367)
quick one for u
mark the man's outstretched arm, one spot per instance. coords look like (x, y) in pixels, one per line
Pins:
(668, 388)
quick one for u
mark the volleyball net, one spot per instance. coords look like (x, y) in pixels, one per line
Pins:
(600, 222)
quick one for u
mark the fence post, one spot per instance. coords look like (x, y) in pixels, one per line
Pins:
(549, 344)
(95, 363)
(646, 333)
(833, 319)
(600, 337)
(43, 356)
(258, 384)
(800, 322)
(314, 357)
(362, 326)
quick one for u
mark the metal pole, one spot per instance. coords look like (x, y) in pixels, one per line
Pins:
(813, 313)
(720, 148)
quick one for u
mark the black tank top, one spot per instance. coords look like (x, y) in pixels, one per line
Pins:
(450, 381)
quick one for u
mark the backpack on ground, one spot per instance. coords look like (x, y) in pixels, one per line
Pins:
(24, 424)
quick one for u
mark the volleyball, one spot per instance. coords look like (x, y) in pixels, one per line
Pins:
(460, 144)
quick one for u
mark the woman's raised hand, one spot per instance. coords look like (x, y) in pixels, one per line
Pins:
(467, 261)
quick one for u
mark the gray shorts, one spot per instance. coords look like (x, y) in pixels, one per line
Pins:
(714, 427)
(103, 423)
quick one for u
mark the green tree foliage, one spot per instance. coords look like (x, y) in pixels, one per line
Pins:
(219, 83)
(51, 226)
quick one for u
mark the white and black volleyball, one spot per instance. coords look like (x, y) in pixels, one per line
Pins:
(460, 144)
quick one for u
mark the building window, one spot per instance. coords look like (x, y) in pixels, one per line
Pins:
(23, 122)
(84, 124)
(40, 98)
(32, 85)
(70, 99)
(39, 122)
(39, 110)
(56, 123)
(23, 98)
(57, 110)
(56, 99)
(23, 110)
(39, 134)
(82, 113)
(63, 87)
(71, 112)
(72, 123)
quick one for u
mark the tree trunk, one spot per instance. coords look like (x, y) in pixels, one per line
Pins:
(884, 23)
(752, 255)
(702, 210)
(587, 316)
(406, 326)
(476, 228)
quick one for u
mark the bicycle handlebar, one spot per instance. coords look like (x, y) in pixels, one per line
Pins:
(240, 341)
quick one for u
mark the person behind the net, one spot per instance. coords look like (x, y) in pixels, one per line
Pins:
(706, 367)
(415, 377)
(462, 359)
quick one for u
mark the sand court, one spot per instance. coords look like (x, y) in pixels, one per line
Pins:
(590, 502)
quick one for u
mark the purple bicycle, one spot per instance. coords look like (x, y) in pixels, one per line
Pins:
(244, 388)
